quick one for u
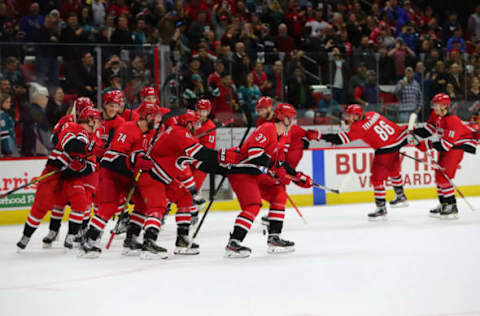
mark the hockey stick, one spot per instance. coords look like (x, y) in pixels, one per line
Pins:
(411, 123)
(319, 186)
(45, 176)
(296, 208)
(226, 123)
(217, 189)
(124, 214)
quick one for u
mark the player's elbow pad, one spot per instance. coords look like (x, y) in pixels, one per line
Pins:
(332, 138)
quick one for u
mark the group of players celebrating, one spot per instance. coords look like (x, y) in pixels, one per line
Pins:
(164, 157)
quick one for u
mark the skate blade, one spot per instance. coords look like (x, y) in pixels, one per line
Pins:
(147, 255)
(88, 255)
(236, 255)
(378, 218)
(434, 215)
(277, 250)
(449, 217)
(399, 205)
(186, 251)
(47, 245)
(130, 252)
(20, 250)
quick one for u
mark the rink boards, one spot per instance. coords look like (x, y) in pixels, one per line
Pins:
(346, 168)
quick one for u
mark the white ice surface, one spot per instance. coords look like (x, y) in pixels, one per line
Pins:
(410, 264)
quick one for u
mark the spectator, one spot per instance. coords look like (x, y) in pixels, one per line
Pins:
(122, 35)
(31, 23)
(8, 146)
(238, 66)
(299, 94)
(119, 8)
(139, 36)
(474, 24)
(457, 79)
(277, 80)
(364, 54)
(396, 13)
(206, 60)
(274, 15)
(260, 77)
(86, 24)
(195, 8)
(82, 78)
(10, 35)
(450, 26)
(410, 36)
(318, 25)
(439, 78)
(284, 42)
(72, 33)
(431, 60)
(223, 103)
(214, 78)
(14, 76)
(56, 107)
(266, 50)
(35, 132)
(385, 67)
(98, 12)
(249, 93)
(46, 61)
(329, 105)
(369, 92)
(399, 54)
(357, 80)
(340, 76)
(249, 39)
(115, 67)
(69, 7)
(456, 41)
(198, 27)
(409, 94)
(473, 94)
(5, 87)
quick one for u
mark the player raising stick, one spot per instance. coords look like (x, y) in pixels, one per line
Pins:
(455, 138)
(386, 138)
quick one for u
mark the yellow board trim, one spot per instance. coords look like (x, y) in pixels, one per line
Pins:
(20, 216)
(412, 194)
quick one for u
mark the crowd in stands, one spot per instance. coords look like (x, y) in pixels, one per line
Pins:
(315, 54)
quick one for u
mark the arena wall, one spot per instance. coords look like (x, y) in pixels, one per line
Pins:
(347, 168)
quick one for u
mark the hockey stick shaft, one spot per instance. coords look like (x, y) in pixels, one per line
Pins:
(319, 186)
(45, 176)
(137, 176)
(296, 208)
(226, 123)
(217, 189)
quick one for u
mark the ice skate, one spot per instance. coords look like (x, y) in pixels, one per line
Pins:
(80, 235)
(199, 201)
(265, 224)
(399, 201)
(150, 250)
(235, 250)
(182, 246)
(69, 242)
(122, 225)
(88, 249)
(449, 211)
(279, 245)
(49, 239)
(436, 211)
(22, 244)
(379, 214)
(131, 247)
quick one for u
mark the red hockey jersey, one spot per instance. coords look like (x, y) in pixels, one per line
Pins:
(121, 155)
(380, 133)
(110, 128)
(452, 132)
(297, 142)
(129, 115)
(261, 121)
(207, 140)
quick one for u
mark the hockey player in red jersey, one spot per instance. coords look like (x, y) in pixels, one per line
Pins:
(111, 121)
(65, 186)
(204, 107)
(455, 138)
(386, 138)
(124, 157)
(172, 154)
(264, 108)
(124, 110)
(90, 180)
(148, 94)
(264, 148)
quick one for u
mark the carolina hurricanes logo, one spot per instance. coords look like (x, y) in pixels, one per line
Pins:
(182, 162)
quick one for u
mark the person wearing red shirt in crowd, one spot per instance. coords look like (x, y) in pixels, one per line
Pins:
(264, 149)
(194, 7)
(260, 77)
(386, 138)
(214, 78)
(119, 8)
(223, 102)
(68, 159)
(69, 6)
(295, 20)
(284, 42)
(455, 138)
(277, 81)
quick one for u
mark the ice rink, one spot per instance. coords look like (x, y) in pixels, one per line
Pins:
(410, 264)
